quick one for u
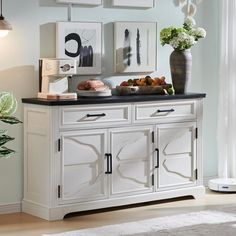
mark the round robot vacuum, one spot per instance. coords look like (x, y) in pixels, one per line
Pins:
(223, 185)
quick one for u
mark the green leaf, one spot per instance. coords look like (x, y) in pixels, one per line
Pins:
(6, 152)
(10, 120)
(2, 131)
(8, 104)
(4, 139)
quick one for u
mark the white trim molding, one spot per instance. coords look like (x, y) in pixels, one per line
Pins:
(10, 208)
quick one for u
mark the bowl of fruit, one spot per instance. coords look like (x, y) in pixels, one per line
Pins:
(146, 85)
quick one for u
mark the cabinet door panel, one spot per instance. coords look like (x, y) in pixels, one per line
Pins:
(82, 166)
(177, 154)
(131, 150)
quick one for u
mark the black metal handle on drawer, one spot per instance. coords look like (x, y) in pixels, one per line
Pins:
(94, 115)
(109, 163)
(169, 110)
(157, 150)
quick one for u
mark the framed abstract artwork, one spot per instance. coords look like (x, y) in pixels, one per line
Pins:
(135, 46)
(85, 2)
(133, 3)
(81, 41)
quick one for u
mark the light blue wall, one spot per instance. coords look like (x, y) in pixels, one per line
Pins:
(210, 83)
(33, 36)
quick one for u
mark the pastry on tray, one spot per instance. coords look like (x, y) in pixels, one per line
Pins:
(93, 88)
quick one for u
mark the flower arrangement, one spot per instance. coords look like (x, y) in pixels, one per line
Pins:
(184, 37)
(8, 106)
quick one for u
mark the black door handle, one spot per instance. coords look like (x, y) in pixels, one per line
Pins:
(94, 115)
(168, 110)
(109, 163)
(157, 165)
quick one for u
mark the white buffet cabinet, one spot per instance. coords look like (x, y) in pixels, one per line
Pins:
(91, 156)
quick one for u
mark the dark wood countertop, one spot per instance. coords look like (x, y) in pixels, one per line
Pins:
(112, 99)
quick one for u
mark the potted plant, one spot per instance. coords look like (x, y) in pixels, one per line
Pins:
(8, 106)
(181, 39)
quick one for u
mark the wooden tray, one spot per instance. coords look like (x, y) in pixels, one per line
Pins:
(142, 90)
(89, 93)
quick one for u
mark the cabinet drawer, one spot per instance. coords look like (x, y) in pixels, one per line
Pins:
(174, 111)
(95, 116)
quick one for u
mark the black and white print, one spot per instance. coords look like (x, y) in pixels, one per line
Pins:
(127, 48)
(82, 42)
(138, 45)
(79, 44)
(135, 47)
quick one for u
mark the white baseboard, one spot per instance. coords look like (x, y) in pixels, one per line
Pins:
(16, 207)
(10, 208)
(207, 178)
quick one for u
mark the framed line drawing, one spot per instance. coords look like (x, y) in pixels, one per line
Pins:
(85, 2)
(81, 41)
(134, 3)
(135, 47)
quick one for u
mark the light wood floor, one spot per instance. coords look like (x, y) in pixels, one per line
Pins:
(20, 224)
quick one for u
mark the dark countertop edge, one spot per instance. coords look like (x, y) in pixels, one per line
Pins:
(112, 99)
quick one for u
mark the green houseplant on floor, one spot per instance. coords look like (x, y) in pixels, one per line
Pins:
(8, 106)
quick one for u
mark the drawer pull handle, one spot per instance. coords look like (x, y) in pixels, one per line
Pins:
(169, 110)
(96, 115)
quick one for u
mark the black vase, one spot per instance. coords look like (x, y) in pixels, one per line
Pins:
(180, 66)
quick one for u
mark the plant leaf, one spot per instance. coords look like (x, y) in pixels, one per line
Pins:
(6, 152)
(10, 120)
(4, 139)
(2, 131)
(8, 104)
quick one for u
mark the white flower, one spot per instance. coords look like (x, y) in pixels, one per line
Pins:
(184, 37)
(200, 32)
(190, 40)
(182, 41)
(190, 22)
(174, 42)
